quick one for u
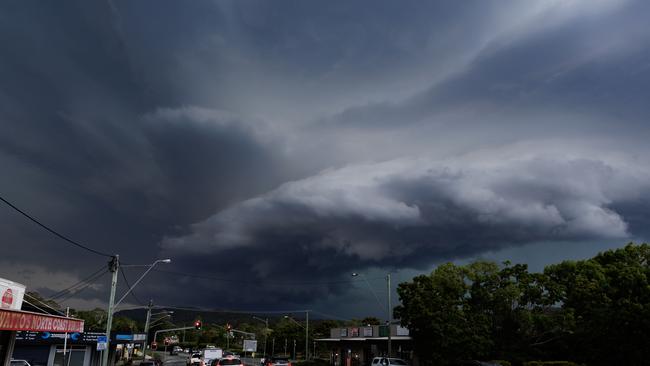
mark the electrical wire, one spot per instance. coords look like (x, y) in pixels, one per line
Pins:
(44, 311)
(79, 290)
(79, 286)
(43, 303)
(52, 231)
(70, 288)
(258, 283)
(128, 286)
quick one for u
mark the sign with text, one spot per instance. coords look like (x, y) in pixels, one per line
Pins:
(22, 320)
(367, 331)
(250, 345)
(26, 337)
(102, 342)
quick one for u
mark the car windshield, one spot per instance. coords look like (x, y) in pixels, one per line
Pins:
(196, 355)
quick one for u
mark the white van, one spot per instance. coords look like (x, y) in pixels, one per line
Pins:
(209, 354)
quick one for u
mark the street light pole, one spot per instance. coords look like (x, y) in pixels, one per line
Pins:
(306, 331)
(266, 330)
(146, 330)
(113, 266)
(390, 316)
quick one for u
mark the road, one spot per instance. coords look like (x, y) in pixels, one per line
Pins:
(181, 360)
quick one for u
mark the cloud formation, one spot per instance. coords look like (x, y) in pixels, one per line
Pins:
(413, 212)
(307, 140)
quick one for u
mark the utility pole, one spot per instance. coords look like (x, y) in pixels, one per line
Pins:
(307, 335)
(113, 266)
(273, 346)
(285, 346)
(294, 349)
(146, 330)
(390, 316)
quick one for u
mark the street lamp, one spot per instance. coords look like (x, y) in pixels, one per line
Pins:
(390, 315)
(306, 328)
(266, 322)
(114, 266)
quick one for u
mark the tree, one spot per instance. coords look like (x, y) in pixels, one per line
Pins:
(370, 320)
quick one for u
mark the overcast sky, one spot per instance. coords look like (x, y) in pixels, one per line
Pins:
(273, 147)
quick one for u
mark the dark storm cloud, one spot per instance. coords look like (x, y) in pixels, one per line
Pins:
(203, 126)
(412, 212)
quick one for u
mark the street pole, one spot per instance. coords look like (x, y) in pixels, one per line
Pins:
(113, 266)
(390, 316)
(294, 349)
(273, 347)
(313, 355)
(146, 331)
(307, 335)
(285, 346)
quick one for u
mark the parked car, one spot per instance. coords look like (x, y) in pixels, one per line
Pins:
(227, 361)
(19, 363)
(388, 361)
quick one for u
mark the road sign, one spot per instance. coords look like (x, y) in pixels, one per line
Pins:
(101, 343)
(154, 345)
(250, 345)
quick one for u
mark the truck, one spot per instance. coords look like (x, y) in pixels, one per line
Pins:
(209, 354)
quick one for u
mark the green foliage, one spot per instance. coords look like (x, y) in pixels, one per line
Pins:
(94, 320)
(594, 311)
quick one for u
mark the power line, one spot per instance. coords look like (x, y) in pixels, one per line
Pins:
(79, 290)
(44, 311)
(65, 290)
(259, 283)
(52, 231)
(128, 286)
(42, 302)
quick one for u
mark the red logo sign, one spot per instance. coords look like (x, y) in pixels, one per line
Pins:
(7, 299)
(20, 320)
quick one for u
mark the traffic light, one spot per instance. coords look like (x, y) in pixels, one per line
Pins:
(197, 325)
(228, 327)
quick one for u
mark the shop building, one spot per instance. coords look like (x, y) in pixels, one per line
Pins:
(13, 320)
(357, 346)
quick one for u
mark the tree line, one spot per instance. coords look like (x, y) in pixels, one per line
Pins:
(594, 311)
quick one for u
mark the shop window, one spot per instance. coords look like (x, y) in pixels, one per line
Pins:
(75, 356)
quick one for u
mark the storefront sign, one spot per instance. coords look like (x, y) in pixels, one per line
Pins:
(22, 320)
(402, 331)
(367, 331)
(12, 294)
(344, 332)
(354, 332)
(25, 337)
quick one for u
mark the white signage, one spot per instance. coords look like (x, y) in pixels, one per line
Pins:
(12, 294)
(250, 345)
(402, 331)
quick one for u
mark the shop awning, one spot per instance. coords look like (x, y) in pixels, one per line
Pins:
(25, 320)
